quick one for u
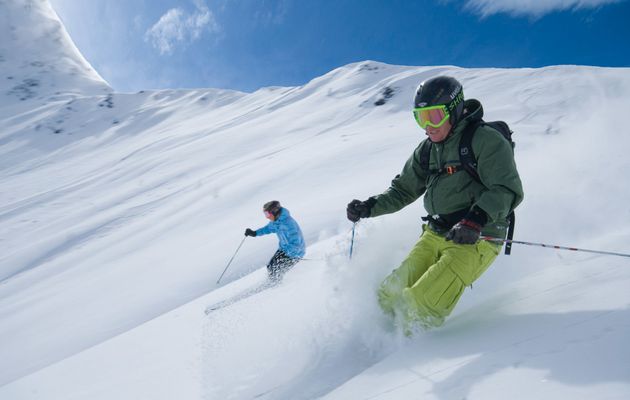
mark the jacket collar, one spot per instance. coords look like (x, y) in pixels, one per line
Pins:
(473, 111)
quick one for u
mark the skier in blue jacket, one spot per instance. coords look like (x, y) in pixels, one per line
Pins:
(291, 246)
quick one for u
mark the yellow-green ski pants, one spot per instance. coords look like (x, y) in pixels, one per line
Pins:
(430, 281)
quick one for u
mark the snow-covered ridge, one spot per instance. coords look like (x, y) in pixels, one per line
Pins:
(118, 212)
(37, 57)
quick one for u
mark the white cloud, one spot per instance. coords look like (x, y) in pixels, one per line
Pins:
(532, 8)
(176, 27)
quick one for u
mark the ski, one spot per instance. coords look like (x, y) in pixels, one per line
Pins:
(241, 296)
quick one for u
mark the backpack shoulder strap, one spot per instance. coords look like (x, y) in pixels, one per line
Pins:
(508, 244)
(425, 156)
(466, 155)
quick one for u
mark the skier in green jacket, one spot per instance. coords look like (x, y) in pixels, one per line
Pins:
(449, 256)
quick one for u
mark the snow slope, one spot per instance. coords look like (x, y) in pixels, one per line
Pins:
(118, 212)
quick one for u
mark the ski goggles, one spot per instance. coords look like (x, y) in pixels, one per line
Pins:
(434, 116)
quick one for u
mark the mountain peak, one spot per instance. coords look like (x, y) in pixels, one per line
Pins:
(37, 57)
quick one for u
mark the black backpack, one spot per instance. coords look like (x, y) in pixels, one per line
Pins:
(468, 160)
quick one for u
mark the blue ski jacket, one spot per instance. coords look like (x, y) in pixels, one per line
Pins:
(289, 234)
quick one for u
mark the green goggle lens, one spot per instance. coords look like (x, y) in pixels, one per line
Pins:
(434, 116)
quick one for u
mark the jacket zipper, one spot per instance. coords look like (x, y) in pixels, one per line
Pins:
(438, 161)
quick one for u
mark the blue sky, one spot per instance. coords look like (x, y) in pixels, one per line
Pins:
(248, 44)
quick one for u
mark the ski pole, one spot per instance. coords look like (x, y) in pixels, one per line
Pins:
(352, 240)
(230, 262)
(552, 246)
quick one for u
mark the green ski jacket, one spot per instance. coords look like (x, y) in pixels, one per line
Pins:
(499, 192)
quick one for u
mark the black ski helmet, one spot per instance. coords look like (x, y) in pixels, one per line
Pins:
(273, 207)
(442, 90)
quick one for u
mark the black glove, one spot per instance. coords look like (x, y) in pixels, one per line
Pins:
(464, 232)
(468, 230)
(358, 209)
(249, 232)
